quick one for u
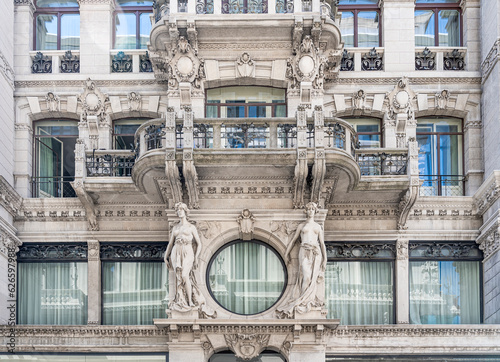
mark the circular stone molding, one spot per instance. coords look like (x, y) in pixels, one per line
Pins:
(92, 101)
(185, 65)
(401, 99)
(246, 277)
(306, 64)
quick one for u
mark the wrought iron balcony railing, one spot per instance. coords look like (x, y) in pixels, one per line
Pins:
(57, 186)
(442, 185)
(55, 61)
(379, 162)
(440, 58)
(110, 163)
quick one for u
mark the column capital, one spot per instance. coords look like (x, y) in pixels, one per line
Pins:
(29, 3)
(97, 2)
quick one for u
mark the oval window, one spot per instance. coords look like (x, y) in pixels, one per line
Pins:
(246, 277)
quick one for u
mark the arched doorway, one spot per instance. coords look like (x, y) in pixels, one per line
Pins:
(266, 356)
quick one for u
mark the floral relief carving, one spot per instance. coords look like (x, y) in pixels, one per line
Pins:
(53, 102)
(245, 66)
(247, 346)
(134, 101)
(93, 101)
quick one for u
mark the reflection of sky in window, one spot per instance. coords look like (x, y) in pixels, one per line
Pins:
(134, 3)
(57, 3)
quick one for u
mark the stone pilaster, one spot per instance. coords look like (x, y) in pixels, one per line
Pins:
(94, 282)
(402, 282)
(96, 19)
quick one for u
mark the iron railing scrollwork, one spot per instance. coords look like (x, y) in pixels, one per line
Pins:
(425, 60)
(154, 135)
(335, 250)
(244, 6)
(70, 63)
(454, 60)
(381, 163)
(52, 252)
(444, 250)
(245, 135)
(129, 251)
(287, 135)
(347, 62)
(335, 135)
(203, 135)
(41, 63)
(145, 63)
(110, 165)
(284, 6)
(121, 63)
(204, 6)
(372, 61)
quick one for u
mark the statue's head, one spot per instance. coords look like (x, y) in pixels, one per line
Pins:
(311, 207)
(181, 207)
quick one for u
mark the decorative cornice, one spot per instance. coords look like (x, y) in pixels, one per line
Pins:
(83, 331)
(490, 61)
(9, 243)
(414, 331)
(244, 46)
(413, 81)
(7, 70)
(29, 3)
(9, 198)
(489, 241)
(78, 83)
(473, 125)
(488, 193)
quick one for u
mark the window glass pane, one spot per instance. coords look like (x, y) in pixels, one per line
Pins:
(368, 35)
(125, 31)
(56, 128)
(145, 29)
(134, 3)
(52, 293)
(133, 292)
(436, 1)
(449, 28)
(347, 28)
(358, 2)
(369, 140)
(46, 32)
(56, 3)
(124, 133)
(444, 292)
(360, 292)
(70, 32)
(246, 277)
(250, 94)
(424, 28)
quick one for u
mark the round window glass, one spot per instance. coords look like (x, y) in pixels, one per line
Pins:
(246, 277)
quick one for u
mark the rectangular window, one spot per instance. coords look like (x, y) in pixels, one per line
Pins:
(134, 283)
(360, 24)
(133, 292)
(359, 283)
(52, 284)
(440, 158)
(57, 25)
(438, 23)
(132, 26)
(445, 283)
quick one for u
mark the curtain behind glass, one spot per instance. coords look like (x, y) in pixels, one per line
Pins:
(52, 293)
(133, 292)
(360, 292)
(246, 278)
(444, 292)
(347, 28)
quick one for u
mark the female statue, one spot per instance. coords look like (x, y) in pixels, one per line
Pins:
(182, 256)
(312, 264)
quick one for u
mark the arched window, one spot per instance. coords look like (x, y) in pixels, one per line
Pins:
(54, 158)
(440, 157)
(57, 25)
